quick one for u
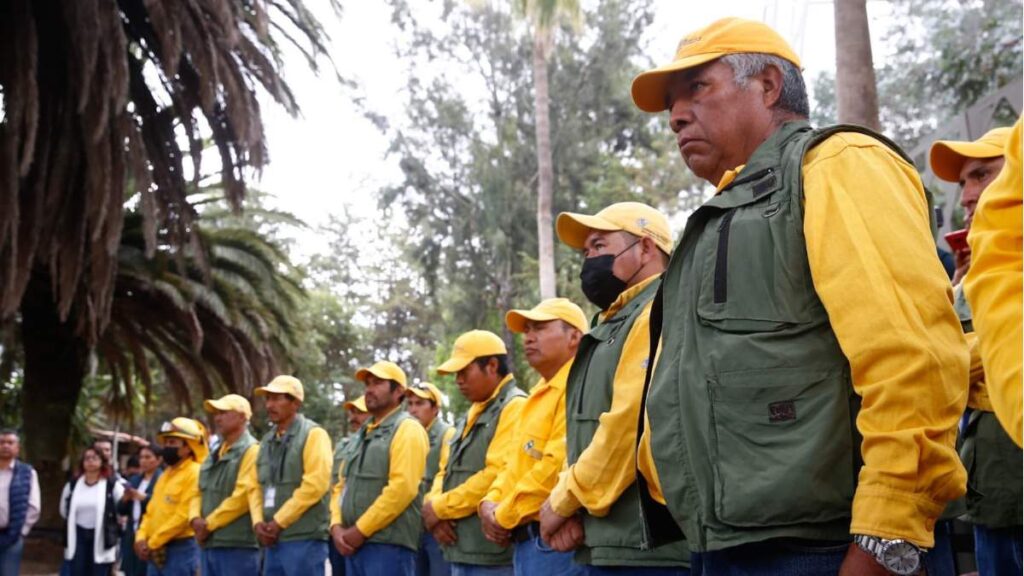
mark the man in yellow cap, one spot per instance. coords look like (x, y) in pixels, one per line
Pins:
(594, 506)
(994, 462)
(357, 416)
(375, 506)
(229, 502)
(424, 401)
(811, 368)
(476, 455)
(294, 472)
(165, 537)
(511, 509)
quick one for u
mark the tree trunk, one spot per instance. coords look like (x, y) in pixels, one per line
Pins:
(55, 364)
(856, 91)
(545, 172)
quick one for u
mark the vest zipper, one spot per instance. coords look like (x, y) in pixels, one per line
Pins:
(722, 258)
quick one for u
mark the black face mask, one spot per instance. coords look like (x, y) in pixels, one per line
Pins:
(599, 284)
(170, 455)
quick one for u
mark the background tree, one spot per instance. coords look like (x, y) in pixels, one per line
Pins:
(856, 91)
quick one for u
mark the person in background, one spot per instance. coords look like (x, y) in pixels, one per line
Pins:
(137, 492)
(88, 506)
(132, 467)
(106, 447)
(165, 538)
(19, 502)
(424, 403)
(357, 415)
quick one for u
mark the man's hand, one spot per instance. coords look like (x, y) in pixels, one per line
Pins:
(142, 550)
(267, 532)
(351, 540)
(430, 518)
(569, 537)
(492, 530)
(199, 527)
(860, 563)
(962, 263)
(550, 522)
(444, 533)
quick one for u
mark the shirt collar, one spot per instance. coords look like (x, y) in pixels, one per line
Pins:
(627, 295)
(373, 424)
(558, 381)
(728, 177)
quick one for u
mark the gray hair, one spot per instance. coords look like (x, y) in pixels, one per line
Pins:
(794, 92)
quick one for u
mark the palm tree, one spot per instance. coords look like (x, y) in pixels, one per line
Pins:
(103, 100)
(856, 89)
(544, 15)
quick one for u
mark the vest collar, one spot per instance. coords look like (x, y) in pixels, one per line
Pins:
(373, 424)
(624, 298)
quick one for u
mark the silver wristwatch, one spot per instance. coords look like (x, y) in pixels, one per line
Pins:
(897, 556)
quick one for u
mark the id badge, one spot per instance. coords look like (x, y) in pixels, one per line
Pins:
(268, 496)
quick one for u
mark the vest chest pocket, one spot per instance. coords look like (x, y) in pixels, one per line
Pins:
(754, 275)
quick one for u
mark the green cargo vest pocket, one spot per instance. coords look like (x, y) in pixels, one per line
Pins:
(782, 444)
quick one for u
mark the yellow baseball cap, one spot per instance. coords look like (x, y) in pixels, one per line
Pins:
(191, 431)
(229, 403)
(359, 404)
(470, 346)
(427, 391)
(384, 370)
(550, 309)
(283, 385)
(634, 217)
(948, 157)
(722, 37)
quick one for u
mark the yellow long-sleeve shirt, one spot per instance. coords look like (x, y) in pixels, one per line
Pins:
(408, 455)
(606, 467)
(872, 260)
(537, 454)
(246, 496)
(316, 478)
(167, 516)
(994, 284)
(463, 500)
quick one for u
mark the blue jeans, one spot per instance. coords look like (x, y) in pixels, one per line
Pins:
(532, 557)
(480, 570)
(10, 558)
(230, 561)
(801, 558)
(296, 558)
(381, 560)
(84, 562)
(591, 570)
(182, 559)
(336, 559)
(430, 560)
(998, 550)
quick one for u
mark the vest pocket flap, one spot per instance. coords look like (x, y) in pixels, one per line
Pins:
(783, 444)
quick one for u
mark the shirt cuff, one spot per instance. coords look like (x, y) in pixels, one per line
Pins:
(891, 515)
(563, 501)
(365, 528)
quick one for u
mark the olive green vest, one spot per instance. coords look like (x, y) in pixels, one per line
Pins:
(339, 457)
(280, 465)
(435, 434)
(217, 480)
(751, 405)
(995, 483)
(466, 458)
(366, 467)
(614, 539)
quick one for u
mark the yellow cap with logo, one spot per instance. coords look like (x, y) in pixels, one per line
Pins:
(283, 385)
(229, 403)
(385, 371)
(551, 309)
(720, 38)
(359, 404)
(427, 391)
(634, 217)
(947, 157)
(191, 431)
(470, 346)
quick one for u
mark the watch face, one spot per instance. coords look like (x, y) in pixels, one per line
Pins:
(901, 557)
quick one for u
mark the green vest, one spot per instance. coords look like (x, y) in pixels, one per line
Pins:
(280, 465)
(435, 434)
(615, 539)
(366, 467)
(995, 483)
(340, 451)
(466, 458)
(217, 480)
(751, 405)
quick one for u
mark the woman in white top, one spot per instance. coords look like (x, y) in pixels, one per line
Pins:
(133, 505)
(83, 505)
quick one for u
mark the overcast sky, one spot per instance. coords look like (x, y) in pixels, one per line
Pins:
(332, 157)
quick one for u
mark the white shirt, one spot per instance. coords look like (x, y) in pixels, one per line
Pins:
(137, 504)
(32, 515)
(85, 513)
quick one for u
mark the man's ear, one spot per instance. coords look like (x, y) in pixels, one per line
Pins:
(770, 80)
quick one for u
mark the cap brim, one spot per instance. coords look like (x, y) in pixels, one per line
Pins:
(216, 406)
(454, 364)
(650, 89)
(573, 228)
(516, 319)
(948, 158)
(425, 394)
